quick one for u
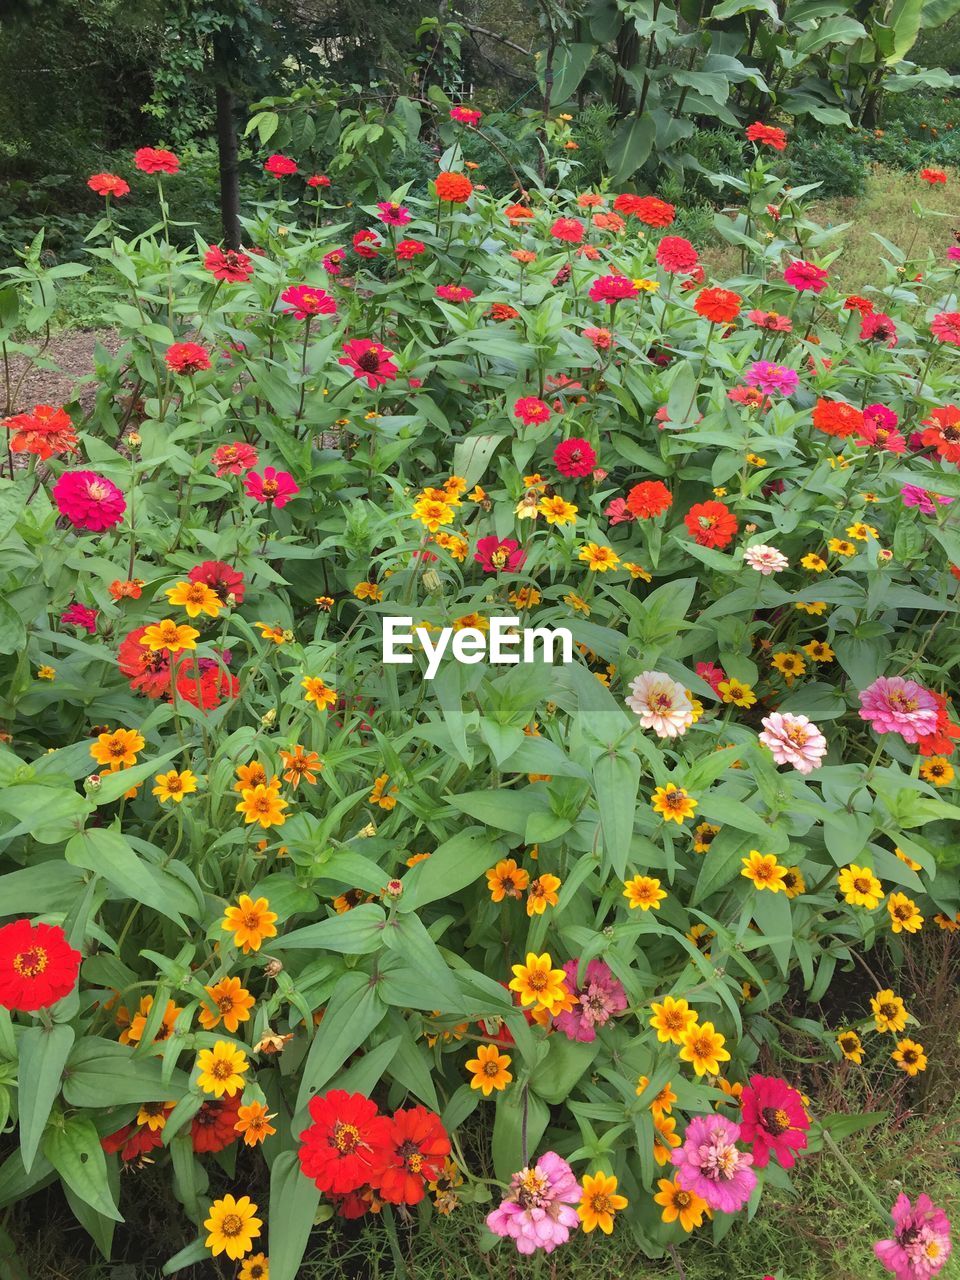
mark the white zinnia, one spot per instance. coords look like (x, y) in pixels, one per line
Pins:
(661, 703)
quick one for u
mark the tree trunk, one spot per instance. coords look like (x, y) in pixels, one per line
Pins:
(227, 149)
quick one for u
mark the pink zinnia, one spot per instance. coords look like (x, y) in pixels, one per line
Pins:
(495, 554)
(234, 459)
(370, 361)
(772, 378)
(612, 289)
(661, 703)
(878, 327)
(793, 740)
(80, 615)
(600, 998)
(773, 1121)
(394, 215)
(711, 1164)
(805, 276)
(676, 255)
(945, 327)
(531, 410)
(273, 486)
(538, 1212)
(771, 320)
(279, 166)
(333, 261)
(575, 457)
(305, 301)
(921, 1240)
(89, 501)
(766, 560)
(912, 495)
(617, 511)
(228, 264)
(453, 292)
(880, 430)
(895, 705)
(712, 674)
(601, 338)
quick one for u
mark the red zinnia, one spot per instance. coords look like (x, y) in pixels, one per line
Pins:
(719, 306)
(806, 277)
(132, 1142)
(574, 457)
(943, 739)
(943, 432)
(228, 264)
(370, 361)
(186, 358)
(495, 555)
(933, 176)
(38, 966)
(366, 244)
(648, 209)
(676, 255)
(214, 1126)
(711, 523)
(407, 249)
(648, 499)
(318, 180)
(455, 188)
(346, 1146)
(108, 184)
(466, 115)
(773, 1119)
(568, 229)
(767, 135)
(207, 690)
(233, 459)
(279, 166)
(612, 289)
(148, 673)
(45, 432)
(503, 311)
(855, 303)
(945, 327)
(221, 578)
(416, 1146)
(837, 418)
(531, 410)
(150, 160)
(453, 292)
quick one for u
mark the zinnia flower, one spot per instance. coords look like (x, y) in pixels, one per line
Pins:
(108, 184)
(413, 1155)
(773, 1121)
(186, 358)
(234, 459)
(710, 1164)
(345, 1146)
(496, 555)
(89, 501)
(599, 999)
(836, 418)
(895, 705)
(945, 327)
(531, 410)
(711, 523)
(921, 1240)
(612, 289)
(454, 188)
(650, 210)
(805, 277)
(277, 487)
(150, 160)
(306, 301)
(38, 966)
(648, 499)
(370, 361)
(676, 255)
(793, 739)
(661, 703)
(575, 457)
(46, 432)
(80, 615)
(767, 135)
(772, 379)
(279, 166)
(466, 115)
(569, 230)
(453, 292)
(719, 306)
(228, 264)
(538, 1212)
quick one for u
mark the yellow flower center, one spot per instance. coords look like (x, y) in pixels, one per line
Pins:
(346, 1137)
(30, 963)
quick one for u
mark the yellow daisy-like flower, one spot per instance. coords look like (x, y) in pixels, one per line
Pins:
(256, 1267)
(904, 914)
(647, 286)
(938, 770)
(221, 1069)
(264, 805)
(819, 651)
(702, 1047)
(851, 1046)
(764, 871)
(840, 547)
(813, 607)
(577, 603)
(860, 887)
(643, 892)
(889, 1011)
(274, 632)
(793, 883)
(665, 1137)
(153, 1115)
(506, 880)
(432, 512)
(167, 635)
(542, 894)
(789, 664)
(368, 591)
(662, 1103)
(538, 982)
(673, 804)
(46, 672)
(174, 786)
(230, 1003)
(318, 692)
(382, 795)
(251, 922)
(908, 861)
(232, 1226)
(680, 1205)
(195, 598)
(815, 563)
(598, 559)
(672, 1020)
(704, 836)
(910, 1057)
(599, 1202)
(253, 1123)
(862, 531)
(637, 571)
(117, 749)
(489, 1070)
(755, 460)
(736, 692)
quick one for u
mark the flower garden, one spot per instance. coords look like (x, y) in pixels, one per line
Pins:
(550, 948)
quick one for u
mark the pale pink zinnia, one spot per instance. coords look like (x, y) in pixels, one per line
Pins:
(895, 705)
(766, 560)
(601, 996)
(538, 1213)
(793, 740)
(661, 703)
(921, 1240)
(711, 1164)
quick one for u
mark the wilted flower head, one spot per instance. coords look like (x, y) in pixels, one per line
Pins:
(921, 1240)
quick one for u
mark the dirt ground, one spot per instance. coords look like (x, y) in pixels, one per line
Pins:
(71, 352)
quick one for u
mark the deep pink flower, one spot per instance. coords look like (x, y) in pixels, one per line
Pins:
(953, 253)
(771, 320)
(318, 180)
(234, 459)
(793, 740)
(599, 999)
(878, 327)
(612, 289)
(945, 327)
(333, 261)
(495, 554)
(273, 486)
(880, 430)
(711, 1164)
(453, 292)
(369, 361)
(305, 301)
(575, 457)
(911, 495)
(805, 276)
(228, 264)
(186, 358)
(80, 615)
(394, 215)
(676, 255)
(713, 675)
(150, 160)
(538, 1212)
(895, 705)
(531, 410)
(89, 501)
(617, 511)
(279, 166)
(466, 115)
(921, 1240)
(772, 378)
(773, 1121)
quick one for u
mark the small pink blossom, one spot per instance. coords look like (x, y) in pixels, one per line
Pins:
(277, 487)
(80, 615)
(497, 555)
(598, 1000)
(394, 215)
(921, 1240)
(766, 560)
(772, 378)
(617, 511)
(805, 276)
(912, 495)
(710, 1164)
(793, 740)
(661, 703)
(538, 1212)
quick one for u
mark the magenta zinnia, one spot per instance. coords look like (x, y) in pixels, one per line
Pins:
(773, 1121)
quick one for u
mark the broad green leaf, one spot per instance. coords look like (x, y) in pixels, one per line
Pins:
(72, 1145)
(111, 855)
(43, 1056)
(293, 1205)
(353, 1011)
(354, 933)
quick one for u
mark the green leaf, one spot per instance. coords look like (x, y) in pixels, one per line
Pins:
(13, 634)
(564, 1065)
(48, 887)
(103, 1071)
(111, 855)
(721, 863)
(293, 1206)
(43, 1056)
(408, 937)
(771, 913)
(616, 780)
(570, 70)
(451, 867)
(632, 143)
(355, 933)
(520, 1114)
(353, 1011)
(72, 1145)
